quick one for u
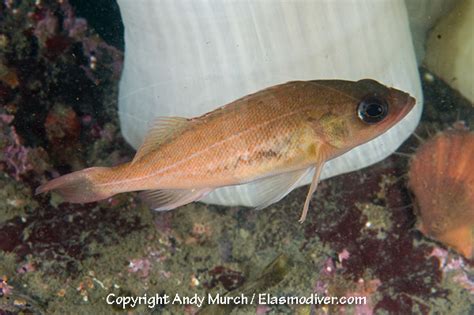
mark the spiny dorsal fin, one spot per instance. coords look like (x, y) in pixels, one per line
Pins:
(162, 129)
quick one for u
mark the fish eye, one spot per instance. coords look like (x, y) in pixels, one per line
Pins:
(372, 110)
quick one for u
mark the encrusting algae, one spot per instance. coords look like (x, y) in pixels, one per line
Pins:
(441, 176)
(272, 138)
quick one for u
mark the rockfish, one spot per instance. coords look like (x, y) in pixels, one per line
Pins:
(271, 138)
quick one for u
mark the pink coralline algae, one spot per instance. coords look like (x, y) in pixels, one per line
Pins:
(62, 72)
(328, 284)
(93, 47)
(63, 129)
(455, 267)
(56, 59)
(13, 153)
(46, 28)
(26, 267)
(5, 289)
(140, 266)
(76, 27)
(327, 271)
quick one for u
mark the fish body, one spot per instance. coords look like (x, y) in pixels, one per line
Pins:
(271, 138)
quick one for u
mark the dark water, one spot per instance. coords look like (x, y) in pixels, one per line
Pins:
(104, 17)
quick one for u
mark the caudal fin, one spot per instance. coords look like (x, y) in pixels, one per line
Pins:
(79, 187)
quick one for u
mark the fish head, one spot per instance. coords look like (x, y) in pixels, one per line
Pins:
(362, 111)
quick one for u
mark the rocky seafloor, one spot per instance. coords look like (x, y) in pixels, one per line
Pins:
(58, 92)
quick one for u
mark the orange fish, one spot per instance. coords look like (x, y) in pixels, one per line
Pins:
(271, 138)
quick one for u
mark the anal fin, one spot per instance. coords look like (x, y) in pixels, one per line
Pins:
(167, 199)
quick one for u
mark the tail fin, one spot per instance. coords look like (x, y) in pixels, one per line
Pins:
(81, 186)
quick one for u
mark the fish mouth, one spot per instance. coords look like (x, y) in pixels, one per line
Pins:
(405, 104)
(409, 104)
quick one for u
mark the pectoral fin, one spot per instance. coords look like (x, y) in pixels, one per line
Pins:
(312, 189)
(274, 188)
(167, 199)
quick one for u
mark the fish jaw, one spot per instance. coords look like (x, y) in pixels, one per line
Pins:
(404, 103)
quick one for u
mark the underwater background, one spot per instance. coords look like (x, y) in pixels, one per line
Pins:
(60, 66)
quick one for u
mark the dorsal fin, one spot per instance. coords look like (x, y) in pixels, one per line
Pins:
(162, 129)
